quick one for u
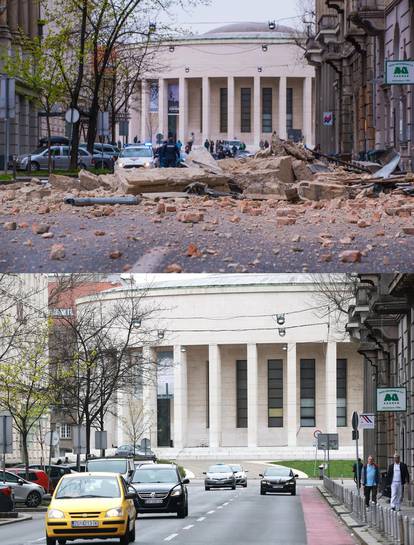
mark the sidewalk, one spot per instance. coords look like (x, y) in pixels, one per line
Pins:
(20, 518)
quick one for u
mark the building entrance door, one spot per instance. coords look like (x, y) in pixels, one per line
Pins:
(164, 422)
(173, 125)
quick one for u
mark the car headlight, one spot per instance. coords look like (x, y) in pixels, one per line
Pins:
(114, 512)
(176, 492)
(265, 482)
(55, 514)
(147, 165)
(119, 163)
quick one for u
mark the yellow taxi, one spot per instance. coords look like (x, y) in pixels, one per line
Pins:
(91, 506)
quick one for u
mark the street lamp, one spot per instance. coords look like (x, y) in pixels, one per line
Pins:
(171, 49)
(152, 27)
(272, 25)
(282, 331)
(136, 321)
(187, 69)
(264, 47)
(280, 319)
(259, 69)
(161, 334)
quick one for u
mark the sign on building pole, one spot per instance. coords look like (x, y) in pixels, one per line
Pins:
(367, 421)
(101, 439)
(6, 438)
(399, 72)
(7, 112)
(391, 400)
(328, 442)
(145, 445)
(355, 437)
(72, 116)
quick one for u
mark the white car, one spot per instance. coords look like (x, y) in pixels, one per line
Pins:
(135, 157)
(240, 474)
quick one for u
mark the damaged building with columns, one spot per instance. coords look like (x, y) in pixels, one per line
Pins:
(358, 111)
(233, 381)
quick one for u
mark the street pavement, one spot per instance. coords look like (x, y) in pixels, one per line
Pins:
(222, 517)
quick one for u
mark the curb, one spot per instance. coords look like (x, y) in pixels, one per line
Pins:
(4, 522)
(360, 531)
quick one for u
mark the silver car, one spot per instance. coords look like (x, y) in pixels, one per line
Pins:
(39, 160)
(24, 491)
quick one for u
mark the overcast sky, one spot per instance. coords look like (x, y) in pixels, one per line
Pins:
(227, 11)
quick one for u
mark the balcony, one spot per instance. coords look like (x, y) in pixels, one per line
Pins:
(313, 52)
(338, 5)
(328, 29)
(368, 15)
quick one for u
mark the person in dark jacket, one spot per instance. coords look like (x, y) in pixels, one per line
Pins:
(357, 473)
(370, 480)
(172, 153)
(207, 144)
(397, 477)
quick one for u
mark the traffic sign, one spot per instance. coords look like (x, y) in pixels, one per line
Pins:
(355, 420)
(52, 438)
(145, 444)
(328, 441)
(367, 421)
(6, 433)
(79, 439)
(72, 115)
(316, 433)
(7, 98)
(101, 439)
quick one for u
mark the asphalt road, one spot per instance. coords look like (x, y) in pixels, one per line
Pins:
(221, 517)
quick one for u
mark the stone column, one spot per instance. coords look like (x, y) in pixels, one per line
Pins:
(144, 110)
(206, 108)
(180, 397)
(330, 388)
(214, 363)
(307, 110)
(149, 393)
(291, 420)
(257, 109)
(34, 16)
(231, 121)
(252, 395)
(183, 119)
(13, 15)
(282, 133)
(162, 113)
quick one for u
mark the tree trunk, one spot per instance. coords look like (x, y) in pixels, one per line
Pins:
(49, 157)
(25, 452)
(93, 123)
(74, 146)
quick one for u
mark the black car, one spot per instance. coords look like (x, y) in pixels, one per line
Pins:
(278, 479)
(160, 489)
(56, 471)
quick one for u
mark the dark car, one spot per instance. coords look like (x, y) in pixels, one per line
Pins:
(160, 489)
(56, 472)
(220, 476)
(278, 479)
(6, 498)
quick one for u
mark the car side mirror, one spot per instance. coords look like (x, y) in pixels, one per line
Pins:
(234, 472)
(131, 494)
(204, 473)
(260, 474)
(246, 471)
(185, 481)
(20, 481)
(296, 475)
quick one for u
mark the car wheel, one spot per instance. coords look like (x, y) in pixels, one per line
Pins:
(62, 541)
(33, 499)
(50, 541)
(132, 535)
(233, 487)
(207, 488)
(293, 492)
(181, 513)
(33, 166)
(262, 493)
(186, 509)
(124, 540)
(245, 485)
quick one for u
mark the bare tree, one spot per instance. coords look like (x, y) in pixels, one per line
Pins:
(135, 422)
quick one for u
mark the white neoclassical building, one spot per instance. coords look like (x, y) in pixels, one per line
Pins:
(240, 81)
(239, 382)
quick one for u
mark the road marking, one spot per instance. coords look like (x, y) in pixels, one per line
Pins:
(219, 507)
(226, 503)
(188, 527)
(210, 512)
(170, 537)
(201, 519)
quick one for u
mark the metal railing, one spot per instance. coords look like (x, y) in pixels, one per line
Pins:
(393, 525)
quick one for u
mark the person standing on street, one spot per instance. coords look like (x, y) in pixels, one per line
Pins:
(397, 476)
(357, 473)
(370, 480)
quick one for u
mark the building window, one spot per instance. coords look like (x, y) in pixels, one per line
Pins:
(275, 393)
(241, 393)
(307, 393)
(65, 431)
(223, 110)
(246, 109)
(341, 385)
(267, 99)
(289, 108)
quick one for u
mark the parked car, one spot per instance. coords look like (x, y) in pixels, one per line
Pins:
(107, 149)
(37, 476)
(6, 498)
(140, 463)
(240, 474)
(135, 157)
(137, 453)
(219, 476)
(160, 489)
(124, 466)
(278, 479)
(24, 491)
(56, 472)
(91, 505)
(39, 159)
(98, 159)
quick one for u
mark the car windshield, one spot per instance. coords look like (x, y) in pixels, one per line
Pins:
(236, 468)
(88, 487)
(136, 152)
(219, 469)
(153, 475)
(278, 472)
(108, 466)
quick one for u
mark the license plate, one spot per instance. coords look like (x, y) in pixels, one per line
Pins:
(77, 523)
(152, 500)
(277, 486)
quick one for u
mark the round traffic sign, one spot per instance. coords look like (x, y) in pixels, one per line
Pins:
(355, 420)
(54, 440)
(72, 115)
(316, 433)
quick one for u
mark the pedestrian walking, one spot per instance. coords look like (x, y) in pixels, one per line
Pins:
(397, 476)
(261, 144)
(211, 147)
(357, 474)
(266, 144)
(179, 145)
(172, 153)
(370, 480)
(207, 144)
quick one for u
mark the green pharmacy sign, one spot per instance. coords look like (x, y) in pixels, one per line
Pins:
(399, 72)
(391, 399)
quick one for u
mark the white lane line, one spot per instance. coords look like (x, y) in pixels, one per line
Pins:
(210, 512)
(200, 519)
(188, 527)
(170, 537)
(219, 507)
(226, 503)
